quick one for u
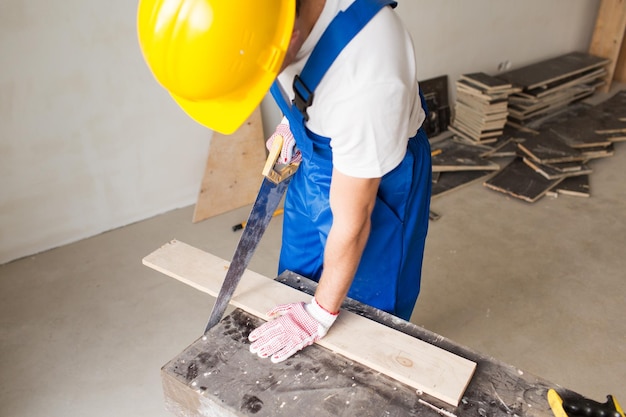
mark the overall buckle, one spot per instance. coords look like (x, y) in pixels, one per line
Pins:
(303, 96)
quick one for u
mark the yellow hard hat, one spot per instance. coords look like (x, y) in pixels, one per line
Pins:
(217, 58)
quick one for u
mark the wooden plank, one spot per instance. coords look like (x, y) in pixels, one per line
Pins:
(590, 129)
(553, 172)
(452, 181)
(411, 361)
(620, 68)
(553, 70)
(505, 147)
(587, 78)
(608, 35)
(547, 147)
(551, 104)
(233, 170)
(486, 82)
(520, 181)
(457, 156)
(575, 186)
(598, 152)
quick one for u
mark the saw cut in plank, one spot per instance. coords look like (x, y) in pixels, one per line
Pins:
(411, 361)
(233, 170)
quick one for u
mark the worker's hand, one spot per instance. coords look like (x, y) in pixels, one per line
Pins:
(290, 152)
(298, 325)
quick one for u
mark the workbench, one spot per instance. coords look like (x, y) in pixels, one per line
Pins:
(218, 376)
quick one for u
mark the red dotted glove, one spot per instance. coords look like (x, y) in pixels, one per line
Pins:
(290, 152)
(298, 325)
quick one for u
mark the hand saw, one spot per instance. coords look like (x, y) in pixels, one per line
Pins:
(272, 189)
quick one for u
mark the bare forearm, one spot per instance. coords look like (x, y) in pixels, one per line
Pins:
(341, 259)
(352, 201)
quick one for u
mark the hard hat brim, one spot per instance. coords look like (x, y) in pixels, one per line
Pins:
(223, 116)
(227, 113)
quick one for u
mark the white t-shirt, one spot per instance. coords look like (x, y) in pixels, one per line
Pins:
(368, 102)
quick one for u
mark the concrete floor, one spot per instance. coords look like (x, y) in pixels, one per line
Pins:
(85, 328)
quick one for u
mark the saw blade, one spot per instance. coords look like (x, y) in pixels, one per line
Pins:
(268, 199)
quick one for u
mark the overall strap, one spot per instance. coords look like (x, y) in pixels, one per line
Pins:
(337, 35)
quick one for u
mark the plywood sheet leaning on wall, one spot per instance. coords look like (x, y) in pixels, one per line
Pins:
(411, 361)
(233, 170)
(608, 39)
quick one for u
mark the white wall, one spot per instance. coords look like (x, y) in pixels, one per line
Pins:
(90, 142)
(461, 36)
(453, 37)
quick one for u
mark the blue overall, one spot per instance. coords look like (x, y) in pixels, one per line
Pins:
(389, 273)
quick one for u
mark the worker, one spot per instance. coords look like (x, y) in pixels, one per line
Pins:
(356, 211)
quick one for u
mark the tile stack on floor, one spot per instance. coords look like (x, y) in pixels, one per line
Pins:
(556, 157)
(550, 85)
(458, 162)
(481, 107)
(550, 137)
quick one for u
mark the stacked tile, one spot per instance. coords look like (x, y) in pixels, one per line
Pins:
(481, 107)
(548, 86)
(556, 157)
(543, 161)
(457, 163)
(594, 129)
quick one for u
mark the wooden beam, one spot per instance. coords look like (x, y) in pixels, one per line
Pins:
(620, 68)
(411, 361)
(233, 170)
(608, 36)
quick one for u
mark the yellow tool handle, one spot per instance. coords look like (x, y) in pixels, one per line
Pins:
(556, 403)
(241, 225)
(583, 406)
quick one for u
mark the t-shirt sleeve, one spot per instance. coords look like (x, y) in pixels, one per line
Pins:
(369, 130)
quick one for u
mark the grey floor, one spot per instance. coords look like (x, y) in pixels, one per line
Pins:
(85, 328)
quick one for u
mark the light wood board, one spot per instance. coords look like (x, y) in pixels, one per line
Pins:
(608, 36)
(411, 361)
(620, 68)
(233, 170)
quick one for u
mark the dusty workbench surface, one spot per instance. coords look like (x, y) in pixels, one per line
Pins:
(218, 376)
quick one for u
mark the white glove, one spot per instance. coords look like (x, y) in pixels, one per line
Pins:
(290, 152)
(298, 325)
